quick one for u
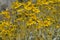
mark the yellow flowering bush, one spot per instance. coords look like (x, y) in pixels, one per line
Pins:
(31, 20)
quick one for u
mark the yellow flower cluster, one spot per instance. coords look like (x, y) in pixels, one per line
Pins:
(26, 17)
(6, 14)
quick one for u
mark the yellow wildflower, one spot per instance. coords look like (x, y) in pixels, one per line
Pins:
(36, 10)
(6, 13)
(29, 3)
(30, 22)
(49, 18)
(45, 2)
(16, 5)
(57, 26)
(27, 6)
(19, 19)
(19, 10)
(40, 24)
(7, 23)
(33, 16)
(47, 23)
(38, 2)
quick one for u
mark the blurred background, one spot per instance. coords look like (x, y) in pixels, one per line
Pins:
(5, 4)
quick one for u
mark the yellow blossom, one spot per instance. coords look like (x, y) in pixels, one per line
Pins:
(33, 16)
(6, 13)
(7, 23)
(40, 24)
(19, 10)
(36, 10)
(19, 19)
(47, 23)
(30, 22)
(57, 26)
(16, 4)
(27, 6)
